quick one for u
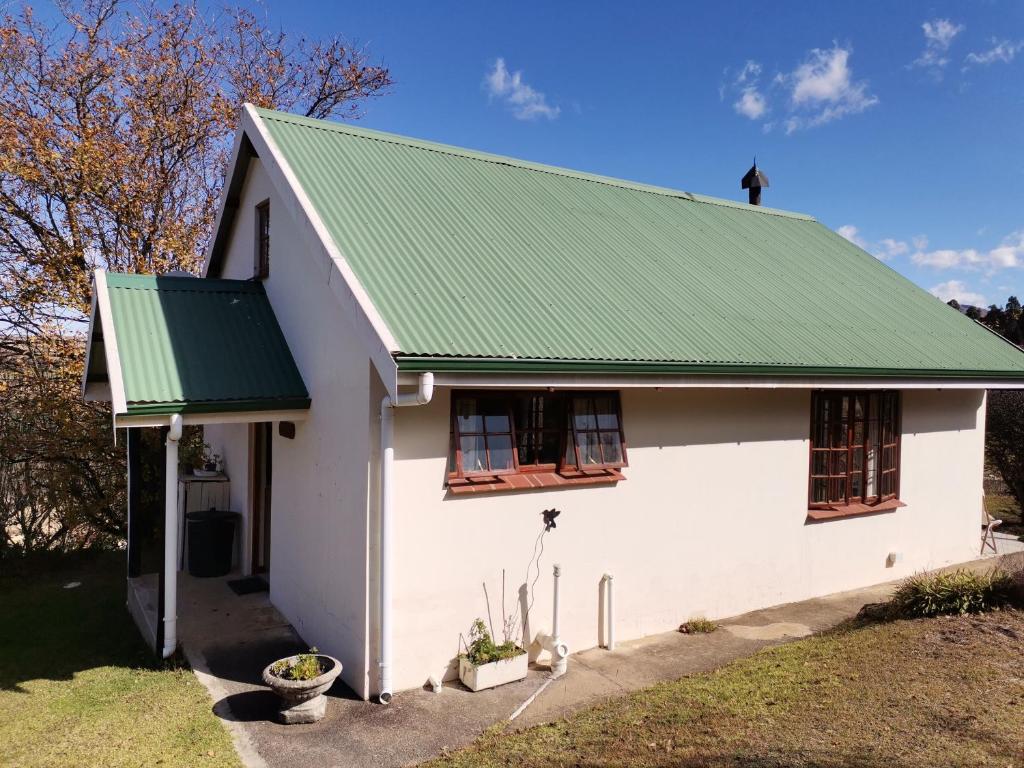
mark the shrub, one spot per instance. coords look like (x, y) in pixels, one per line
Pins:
(953, 593)
(305, 666)
(482, 649)
(697, 626)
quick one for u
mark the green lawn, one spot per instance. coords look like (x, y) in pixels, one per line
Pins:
(79, 688)
(930, 692)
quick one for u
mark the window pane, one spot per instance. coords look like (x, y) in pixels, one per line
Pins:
(538, 447)
(839, 434)
(858, 408)
(583, 413)
(607, 416)
(855, 484)
(858, 433)
(590, 453)
(837, 490)
(611, 447)
(549, 448)
(570, 451)
(529, 449)
(872, 448)
(532, 411)
(819, 490)
(467, 415)
(501, 452)
(819, 464)
(838, 463)
(474, 454)
(496, 422)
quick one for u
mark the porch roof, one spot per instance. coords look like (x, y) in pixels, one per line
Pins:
(161, 345)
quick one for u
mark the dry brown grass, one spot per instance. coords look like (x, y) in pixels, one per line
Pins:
(929, 692)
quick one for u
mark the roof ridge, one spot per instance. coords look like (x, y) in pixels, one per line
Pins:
(529, 165)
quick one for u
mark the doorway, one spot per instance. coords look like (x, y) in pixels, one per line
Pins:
(262, 474)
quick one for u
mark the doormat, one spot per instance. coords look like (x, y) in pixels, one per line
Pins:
(248, 585)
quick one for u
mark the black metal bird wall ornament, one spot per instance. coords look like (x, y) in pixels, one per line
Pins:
(549, 518)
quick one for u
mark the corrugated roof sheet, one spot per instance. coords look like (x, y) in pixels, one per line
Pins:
(191, 345)
(469, 255)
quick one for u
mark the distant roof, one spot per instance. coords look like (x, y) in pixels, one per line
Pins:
(481, 262)
(186, 345)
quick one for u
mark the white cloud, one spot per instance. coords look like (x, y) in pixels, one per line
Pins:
(957, 289)
(1007, 255)
(883, 250)
(892, 247)
(938, 36)
(822, 89)
(1001, 50)
(751, 101)
(525, 102)
(852, 234)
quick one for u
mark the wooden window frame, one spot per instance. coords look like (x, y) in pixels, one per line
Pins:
(892, 427)
(261, 251)
(562, 418)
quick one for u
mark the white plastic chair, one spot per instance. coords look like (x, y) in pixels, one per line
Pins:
(988, 524)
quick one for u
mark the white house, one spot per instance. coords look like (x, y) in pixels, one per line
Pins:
(730, 406)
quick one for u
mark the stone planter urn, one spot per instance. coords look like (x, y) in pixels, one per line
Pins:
(303, 701)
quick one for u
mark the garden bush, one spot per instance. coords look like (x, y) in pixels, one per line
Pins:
(954, 593)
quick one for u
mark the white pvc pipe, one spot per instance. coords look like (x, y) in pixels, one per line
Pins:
(171, 539)
(422, 396)
(609, 597)
(559, 650)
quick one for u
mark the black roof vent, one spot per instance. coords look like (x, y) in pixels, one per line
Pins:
(753, 181)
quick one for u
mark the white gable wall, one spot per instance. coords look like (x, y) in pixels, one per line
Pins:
(711, 520)
(318, 559)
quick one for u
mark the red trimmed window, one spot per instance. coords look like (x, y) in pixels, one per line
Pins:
(502, 433)
(855, 448)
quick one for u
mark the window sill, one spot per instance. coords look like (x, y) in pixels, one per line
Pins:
(532, 480)
(853, 510)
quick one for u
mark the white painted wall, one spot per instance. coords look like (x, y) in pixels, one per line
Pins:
(319, 530)
(711, 520)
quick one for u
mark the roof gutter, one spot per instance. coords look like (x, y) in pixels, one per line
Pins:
(414, 363)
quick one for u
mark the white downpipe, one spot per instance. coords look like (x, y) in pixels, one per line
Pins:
(423, 394)
(171, 539)
(553, 643)
(610, 612)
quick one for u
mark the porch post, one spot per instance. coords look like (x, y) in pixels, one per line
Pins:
(134, 501)
(171, 539)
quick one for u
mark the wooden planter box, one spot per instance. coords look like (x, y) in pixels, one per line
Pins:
(490, 675)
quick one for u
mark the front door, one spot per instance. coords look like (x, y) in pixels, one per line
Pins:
(262, 474)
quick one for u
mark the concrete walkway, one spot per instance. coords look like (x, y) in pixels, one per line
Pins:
(232, 638)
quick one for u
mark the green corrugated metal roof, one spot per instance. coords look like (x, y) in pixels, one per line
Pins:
(188, 345)
(475, 260)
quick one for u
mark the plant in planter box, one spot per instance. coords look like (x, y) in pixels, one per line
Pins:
(485, 664)
(301, 681)
(207, 463)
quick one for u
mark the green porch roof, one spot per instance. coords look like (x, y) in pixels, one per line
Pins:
(188, 345)
(481, 262)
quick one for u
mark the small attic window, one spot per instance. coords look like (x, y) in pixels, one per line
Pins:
(261, 266)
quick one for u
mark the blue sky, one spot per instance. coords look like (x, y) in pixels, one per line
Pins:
(898, 124)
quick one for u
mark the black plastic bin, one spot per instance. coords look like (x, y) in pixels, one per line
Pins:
(211, 542)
